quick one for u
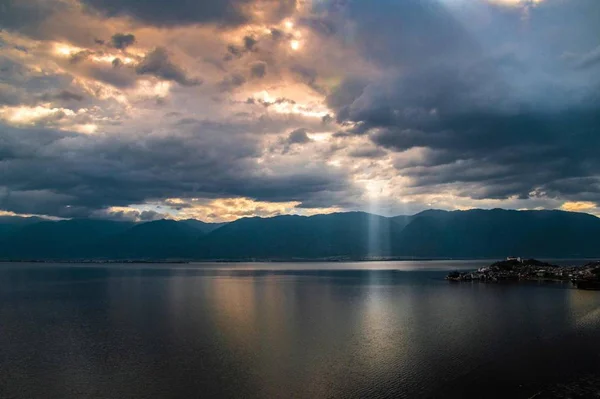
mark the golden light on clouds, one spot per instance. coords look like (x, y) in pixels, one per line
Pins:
(579, 206)
(309, 109)
(68, 50)
(149, 89)
(319, 137)
(109, 59)
(228, 209)
(45, 115)
(23, 115)
(295, 45)
(87, 128)
(9, 213)
(65, 49)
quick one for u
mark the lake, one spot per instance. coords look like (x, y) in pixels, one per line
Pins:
(282, 330)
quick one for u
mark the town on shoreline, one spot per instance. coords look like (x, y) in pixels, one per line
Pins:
(519, 269)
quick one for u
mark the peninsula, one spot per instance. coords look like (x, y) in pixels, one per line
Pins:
(518, 269)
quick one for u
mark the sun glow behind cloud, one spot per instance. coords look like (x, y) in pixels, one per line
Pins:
(29, 115)
(67, 50)
(60, 118)
(277, 104)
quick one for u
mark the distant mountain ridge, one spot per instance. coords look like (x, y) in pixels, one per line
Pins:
(351, 235)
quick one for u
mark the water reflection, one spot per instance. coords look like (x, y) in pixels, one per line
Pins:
(186, 332)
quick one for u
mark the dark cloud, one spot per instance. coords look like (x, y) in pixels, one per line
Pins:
(250, 43)
(407, 32)
(344, 95)
(184, 12)
(298, 136)
(47, 20)
(76, 175)
(178, 12)
(234, 51)
(63, 95)
(28, 16)
(474, 130)
(158, 63)
(492, 123)
(372, 153)
(80, 56)
(327, 119)
(308, 76)
(258, 69)
(121, 40)
(277, 34)
(22, 85)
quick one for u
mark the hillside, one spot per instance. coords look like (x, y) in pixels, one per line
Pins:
(499, 232)
(352, 235)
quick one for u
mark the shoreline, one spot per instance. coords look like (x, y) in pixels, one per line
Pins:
(514, 270)
(282, 260)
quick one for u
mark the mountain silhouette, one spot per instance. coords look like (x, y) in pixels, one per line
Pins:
(350, 235)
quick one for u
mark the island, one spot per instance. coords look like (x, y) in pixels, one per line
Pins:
(518, 269)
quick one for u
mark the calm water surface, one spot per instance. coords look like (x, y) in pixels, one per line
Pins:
(282, 330)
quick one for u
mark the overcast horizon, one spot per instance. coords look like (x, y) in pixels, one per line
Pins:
(222, 109)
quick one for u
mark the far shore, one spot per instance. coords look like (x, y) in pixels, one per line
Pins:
(270, 260)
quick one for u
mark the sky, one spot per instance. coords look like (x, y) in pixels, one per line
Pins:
(222, 109)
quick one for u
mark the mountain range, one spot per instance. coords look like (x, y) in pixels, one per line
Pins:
(351, 235)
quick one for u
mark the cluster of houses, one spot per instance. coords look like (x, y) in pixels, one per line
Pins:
(518, 269)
